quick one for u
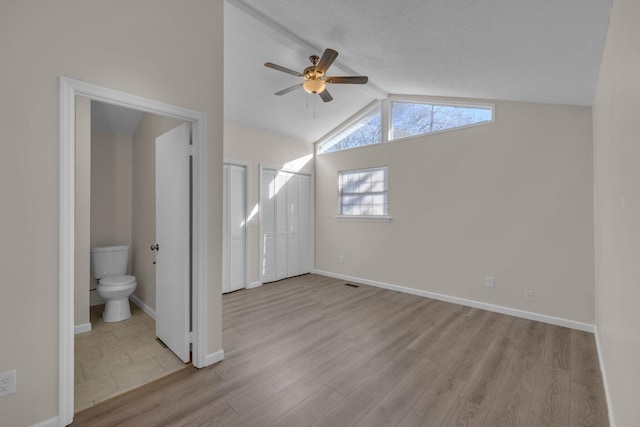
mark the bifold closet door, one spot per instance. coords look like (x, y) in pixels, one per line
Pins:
(233, 229)
(286, 224)
(268, 225)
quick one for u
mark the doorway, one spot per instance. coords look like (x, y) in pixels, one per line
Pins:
(69, 89)
(116, 151)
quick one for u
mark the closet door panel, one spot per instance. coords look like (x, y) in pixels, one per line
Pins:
(268, 226)
(293, 261)
(282, 224)
(237, 227)
(225, 230)
(304, 224)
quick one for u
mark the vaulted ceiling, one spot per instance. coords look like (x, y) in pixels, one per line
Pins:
(545, 51)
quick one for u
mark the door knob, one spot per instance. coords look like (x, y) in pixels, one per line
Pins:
(155, 247)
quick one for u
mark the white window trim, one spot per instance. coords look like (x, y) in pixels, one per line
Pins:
(370, 218)
(385, 118)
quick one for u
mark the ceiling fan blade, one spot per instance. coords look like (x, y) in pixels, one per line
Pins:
(289, 89)
(359, 80)
(281, 68)
(326, 96)
(327, 59)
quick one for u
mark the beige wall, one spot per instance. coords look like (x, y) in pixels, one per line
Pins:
(110, 170)
(256, 146)
(167, 51)
(82, 274)
(511, 200)
(144, 203)
(617, 210)
(111, 166)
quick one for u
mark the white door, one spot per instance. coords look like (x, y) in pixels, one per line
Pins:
(282, 226)
(285, 224)
(304, 224)
(233, 229)
(172, 238)
(293, 264)
(268, 225)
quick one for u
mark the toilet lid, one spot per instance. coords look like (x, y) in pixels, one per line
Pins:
(117, 280)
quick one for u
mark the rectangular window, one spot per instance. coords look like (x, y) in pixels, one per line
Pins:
(364, 192)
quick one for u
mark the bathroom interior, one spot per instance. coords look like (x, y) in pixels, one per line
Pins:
(116, 350)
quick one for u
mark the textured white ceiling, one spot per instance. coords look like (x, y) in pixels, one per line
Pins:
(523, 50)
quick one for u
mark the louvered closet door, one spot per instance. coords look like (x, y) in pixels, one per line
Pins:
(268, 226)
(233, 229)
(237, 228)
(225, 230)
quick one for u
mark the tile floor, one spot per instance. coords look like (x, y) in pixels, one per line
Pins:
(117, 357)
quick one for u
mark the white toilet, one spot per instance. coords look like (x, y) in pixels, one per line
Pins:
(109, 264)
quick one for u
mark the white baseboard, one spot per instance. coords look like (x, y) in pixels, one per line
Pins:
(51, 422)
(254, 285)
(137, 301)
(612, 422)
(567, 323)
(79, 329)
(214, 357)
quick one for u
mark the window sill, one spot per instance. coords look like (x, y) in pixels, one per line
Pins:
(366, 218)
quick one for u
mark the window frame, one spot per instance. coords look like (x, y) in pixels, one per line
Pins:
(409, 99)
(346, 217)
(347, 124)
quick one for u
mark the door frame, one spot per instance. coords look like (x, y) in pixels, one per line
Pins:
(69, 89)
(247, 217)
(312, 212)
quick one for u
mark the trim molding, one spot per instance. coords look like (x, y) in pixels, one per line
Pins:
(80, 329)
(214, 357)
(612, 422)
(567, 323)
(255, 284)
(51, 422)
(144, 307)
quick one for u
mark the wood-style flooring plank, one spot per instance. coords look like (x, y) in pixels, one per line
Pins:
(550, 403)
(311, 351)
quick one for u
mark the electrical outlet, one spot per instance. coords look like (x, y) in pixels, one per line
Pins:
(488, 282)
(341, 259)
(528, 295)
(8, 383)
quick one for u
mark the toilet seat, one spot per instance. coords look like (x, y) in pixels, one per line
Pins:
(117, 281)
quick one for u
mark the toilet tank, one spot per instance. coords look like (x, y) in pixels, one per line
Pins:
(108, 261)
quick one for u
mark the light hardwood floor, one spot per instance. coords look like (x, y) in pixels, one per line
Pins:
(312, 351)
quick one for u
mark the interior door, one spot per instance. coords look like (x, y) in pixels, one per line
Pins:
(172, 238)
(282, 226)
(233, 229)
(304, 224)
(293, 259)
(268, 225)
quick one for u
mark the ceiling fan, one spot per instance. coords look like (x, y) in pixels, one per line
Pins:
(314, 76)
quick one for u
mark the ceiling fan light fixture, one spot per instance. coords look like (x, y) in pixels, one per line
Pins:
(314, 86)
